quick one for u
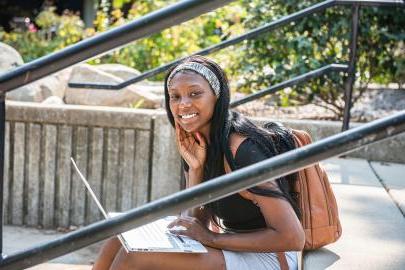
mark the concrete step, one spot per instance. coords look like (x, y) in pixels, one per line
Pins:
(392, 175)
(18, 238)
(60, 266)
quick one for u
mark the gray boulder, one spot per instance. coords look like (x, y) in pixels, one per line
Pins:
(9, 58)
(53, 100)
(38, 91)
(133, 95)
(126, 73)
(118, 70)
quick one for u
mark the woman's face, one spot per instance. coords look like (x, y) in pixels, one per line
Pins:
(191, 102)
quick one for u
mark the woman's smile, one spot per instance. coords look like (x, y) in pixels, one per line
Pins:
(188, 120)
(188, 116)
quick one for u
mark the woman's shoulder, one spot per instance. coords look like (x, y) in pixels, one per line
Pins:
(246, 150)
(241, 145)
(235, 141)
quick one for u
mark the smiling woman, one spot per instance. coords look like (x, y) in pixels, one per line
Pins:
(257, 228)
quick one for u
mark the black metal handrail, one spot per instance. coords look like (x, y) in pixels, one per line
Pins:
(214, 189)
(292, 82)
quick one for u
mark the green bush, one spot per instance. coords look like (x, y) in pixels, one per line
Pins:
(55, 32)
(172, 43)
(319, 40)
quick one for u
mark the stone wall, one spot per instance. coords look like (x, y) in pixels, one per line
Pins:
(388, 150)
(129, 157)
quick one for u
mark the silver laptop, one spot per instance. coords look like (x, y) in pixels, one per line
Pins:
(152, 237)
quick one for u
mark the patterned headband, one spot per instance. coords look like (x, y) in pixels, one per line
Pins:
(200, 69)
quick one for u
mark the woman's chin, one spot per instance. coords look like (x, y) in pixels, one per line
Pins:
(189, 128)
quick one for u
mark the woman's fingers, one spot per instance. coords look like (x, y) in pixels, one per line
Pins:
(182, 221)
(201, 140)
(179, 133)
(192, 147)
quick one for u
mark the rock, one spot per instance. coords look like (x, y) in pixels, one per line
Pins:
(127, 73)
(152, 87)
(28, 93)
(118, 70)
(53, 100)
(127, 97)
(9, 58)
(38, 91)
(377, 102)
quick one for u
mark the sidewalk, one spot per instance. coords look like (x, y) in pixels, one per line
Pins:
(369, 196)
(373, 226)
(16, 238)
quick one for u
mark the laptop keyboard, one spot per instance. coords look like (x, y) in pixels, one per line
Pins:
(149, 235)
(156, 236)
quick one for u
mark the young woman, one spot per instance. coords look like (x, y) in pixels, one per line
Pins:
(256, 228)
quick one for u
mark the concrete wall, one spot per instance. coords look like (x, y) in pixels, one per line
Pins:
(129, 157)
(388, 150)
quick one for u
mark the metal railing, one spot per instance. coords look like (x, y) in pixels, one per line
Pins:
(292, 82)
(212, 190)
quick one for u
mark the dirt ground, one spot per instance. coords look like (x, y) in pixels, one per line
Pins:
(374, 104)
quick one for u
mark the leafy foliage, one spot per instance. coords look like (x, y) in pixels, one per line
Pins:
(316, 41)
(175, 42)
(54, 33)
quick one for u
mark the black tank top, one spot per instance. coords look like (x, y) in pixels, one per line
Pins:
(234, 213)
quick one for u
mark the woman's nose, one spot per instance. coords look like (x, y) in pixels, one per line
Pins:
(185, 101)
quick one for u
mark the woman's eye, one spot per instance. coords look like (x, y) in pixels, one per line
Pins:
(194, 94)
(174, 97)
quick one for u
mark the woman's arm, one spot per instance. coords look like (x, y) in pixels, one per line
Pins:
(194, 178)
(284, 231)
(192, 148)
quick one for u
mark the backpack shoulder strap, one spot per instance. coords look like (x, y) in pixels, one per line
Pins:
(301, 137)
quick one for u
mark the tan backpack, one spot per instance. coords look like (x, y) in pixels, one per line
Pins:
(319, 212)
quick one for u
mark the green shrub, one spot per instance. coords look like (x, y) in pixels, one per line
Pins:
(316, 41)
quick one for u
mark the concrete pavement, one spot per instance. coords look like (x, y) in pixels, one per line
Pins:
(369, 196)
(373, 226)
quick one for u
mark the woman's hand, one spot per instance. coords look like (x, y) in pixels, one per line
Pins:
(192, 228)
(192, 148)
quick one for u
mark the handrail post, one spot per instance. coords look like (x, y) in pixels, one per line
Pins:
(351, 73)
(2, 132)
